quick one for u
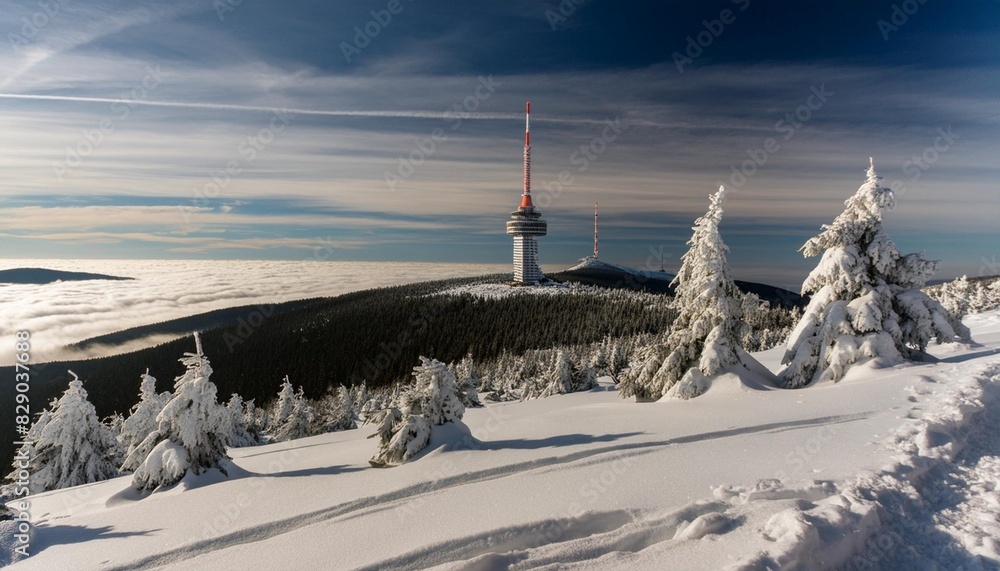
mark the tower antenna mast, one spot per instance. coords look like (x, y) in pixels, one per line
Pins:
(525, 223)
(595, 230)
(527, 149)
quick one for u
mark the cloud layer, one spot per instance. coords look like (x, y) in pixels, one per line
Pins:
(62, 313)
(150, 131)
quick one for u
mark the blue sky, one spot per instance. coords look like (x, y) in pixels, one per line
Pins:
(242, 130)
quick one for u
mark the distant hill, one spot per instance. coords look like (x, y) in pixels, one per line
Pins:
(376, 335)
(46, 276)
(230, 316)
(605, 274)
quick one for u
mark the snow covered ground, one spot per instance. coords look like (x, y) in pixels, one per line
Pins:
(503, 290)
(590, 263)
(894, 468)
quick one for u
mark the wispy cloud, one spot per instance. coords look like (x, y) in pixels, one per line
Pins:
(399, 114)
(354, 124)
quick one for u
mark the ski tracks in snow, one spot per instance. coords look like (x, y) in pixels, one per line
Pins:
(935, 507)
(596, 523)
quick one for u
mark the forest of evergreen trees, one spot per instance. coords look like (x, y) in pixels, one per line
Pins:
(375, 335)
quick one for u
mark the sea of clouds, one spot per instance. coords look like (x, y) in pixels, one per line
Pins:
(62, 313)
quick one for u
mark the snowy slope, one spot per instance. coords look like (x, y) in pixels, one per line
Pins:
(886, 469)
(595, 264)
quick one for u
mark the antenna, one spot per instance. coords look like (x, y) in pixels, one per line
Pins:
(527, 149)
(527, 123)
(595, 230)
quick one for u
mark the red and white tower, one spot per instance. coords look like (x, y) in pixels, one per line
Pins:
(525, 224)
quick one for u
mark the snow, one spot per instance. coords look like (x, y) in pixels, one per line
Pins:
(867, 303)
(705, 337)
(892, 467)
(591, 263)
(502, 290)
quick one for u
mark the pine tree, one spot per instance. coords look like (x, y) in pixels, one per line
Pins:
(141, 421)
(705, 337)
(584, 375)
(239, 432)
(283, 406)
(955, 297)
(866, 302)
(338, 410)
(27, 451)
(301, 421)
(361, 397)
(610, 359)
(429, 402)
(979, 298)
(558, 378)
(73, 446)
(992, 296)
(469, 377)
(192, 431)
(255, 420)
(115, 423)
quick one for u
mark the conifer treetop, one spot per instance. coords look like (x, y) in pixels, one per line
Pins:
(861, 218)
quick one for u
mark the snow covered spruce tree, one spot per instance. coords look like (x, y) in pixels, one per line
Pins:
(705, 337)
(430, 401)
(282, 407)
(866, 299)
(584, 374)
(557, 379)
(300, 422)
(562, 376)
(73, 446)
(25, 453)
(337, 411)
(115, 423)
(468, 377)
(142, 420)
(192, 430)
(241, 418)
